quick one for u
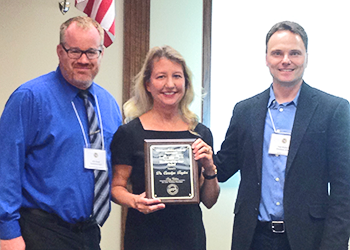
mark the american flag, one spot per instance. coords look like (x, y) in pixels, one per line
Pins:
(103, 11)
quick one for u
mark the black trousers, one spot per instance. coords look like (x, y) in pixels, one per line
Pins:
(44, 231)
(265, 239)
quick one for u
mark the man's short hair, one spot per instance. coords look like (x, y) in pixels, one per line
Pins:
(83, 22)
(292, 27)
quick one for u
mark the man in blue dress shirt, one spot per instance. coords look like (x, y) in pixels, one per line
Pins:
(290, 144)
(47, 190)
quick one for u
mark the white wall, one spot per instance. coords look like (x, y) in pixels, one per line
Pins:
(29, 34)
(179, 25)
(238, 62)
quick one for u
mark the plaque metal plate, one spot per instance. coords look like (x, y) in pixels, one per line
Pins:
(170, 170)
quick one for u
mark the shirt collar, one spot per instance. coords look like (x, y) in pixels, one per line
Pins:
(273, 99)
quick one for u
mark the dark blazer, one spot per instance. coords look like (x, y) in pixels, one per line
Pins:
(319, 154)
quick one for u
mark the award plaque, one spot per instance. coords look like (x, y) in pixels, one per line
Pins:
(171, 171)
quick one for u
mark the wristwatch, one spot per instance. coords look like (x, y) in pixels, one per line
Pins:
(210, 177)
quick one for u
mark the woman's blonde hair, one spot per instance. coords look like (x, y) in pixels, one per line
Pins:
(142, 101)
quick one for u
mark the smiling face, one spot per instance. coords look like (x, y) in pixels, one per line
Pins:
(80, 72)
(286, 58)
(166, 84)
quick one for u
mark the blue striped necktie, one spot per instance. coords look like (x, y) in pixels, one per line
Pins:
(101, 193)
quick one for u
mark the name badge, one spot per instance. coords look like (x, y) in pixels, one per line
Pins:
(95, 159)
(279, 144)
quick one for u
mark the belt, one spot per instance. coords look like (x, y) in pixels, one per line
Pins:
(53, 218)
(277, 227)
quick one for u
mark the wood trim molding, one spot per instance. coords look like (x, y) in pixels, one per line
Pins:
(136, 46)
(206, 63)
(136, 40)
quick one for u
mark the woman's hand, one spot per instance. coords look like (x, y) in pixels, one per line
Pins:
(122, 196)
(209, 183)
(147, 206)
(204, 153)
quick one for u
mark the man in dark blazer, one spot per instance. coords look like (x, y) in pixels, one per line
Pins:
(291, 144)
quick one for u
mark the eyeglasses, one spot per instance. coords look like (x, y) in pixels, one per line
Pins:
(77, 53)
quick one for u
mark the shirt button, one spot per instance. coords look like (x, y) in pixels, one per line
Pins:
(277, 203)
(277, 179)
(281, 109)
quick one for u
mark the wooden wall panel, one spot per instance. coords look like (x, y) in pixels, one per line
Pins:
(136, 46)
(206, 68)
(136, 40)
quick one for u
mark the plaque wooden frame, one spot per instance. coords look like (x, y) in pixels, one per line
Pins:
(172, 186)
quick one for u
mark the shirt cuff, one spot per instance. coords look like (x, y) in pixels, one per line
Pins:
(10, 230)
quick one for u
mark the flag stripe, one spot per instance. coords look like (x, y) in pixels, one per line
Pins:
(103, 11)
(88, 8)
(108, 19)
(80, 4)
(95, 9)
(105, 5)
(108, 40)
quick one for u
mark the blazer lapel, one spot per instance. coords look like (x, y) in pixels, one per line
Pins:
(307, 104)
(258, 124)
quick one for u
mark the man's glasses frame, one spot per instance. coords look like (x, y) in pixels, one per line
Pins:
(74, 53)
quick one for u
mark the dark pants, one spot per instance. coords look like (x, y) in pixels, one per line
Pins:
(44, 231)
(265, 239)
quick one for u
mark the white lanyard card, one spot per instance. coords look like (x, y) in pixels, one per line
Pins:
(279, 144)
(95, 159)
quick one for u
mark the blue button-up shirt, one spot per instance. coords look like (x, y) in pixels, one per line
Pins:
(274, 166)
(42, 150)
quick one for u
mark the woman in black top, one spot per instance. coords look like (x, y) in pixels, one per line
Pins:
(159, 110)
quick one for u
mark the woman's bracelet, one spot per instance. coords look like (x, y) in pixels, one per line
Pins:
(210, 177)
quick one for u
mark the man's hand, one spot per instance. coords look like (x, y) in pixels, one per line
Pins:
(13, 244)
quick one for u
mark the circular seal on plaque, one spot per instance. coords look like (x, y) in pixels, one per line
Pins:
(172, 189)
